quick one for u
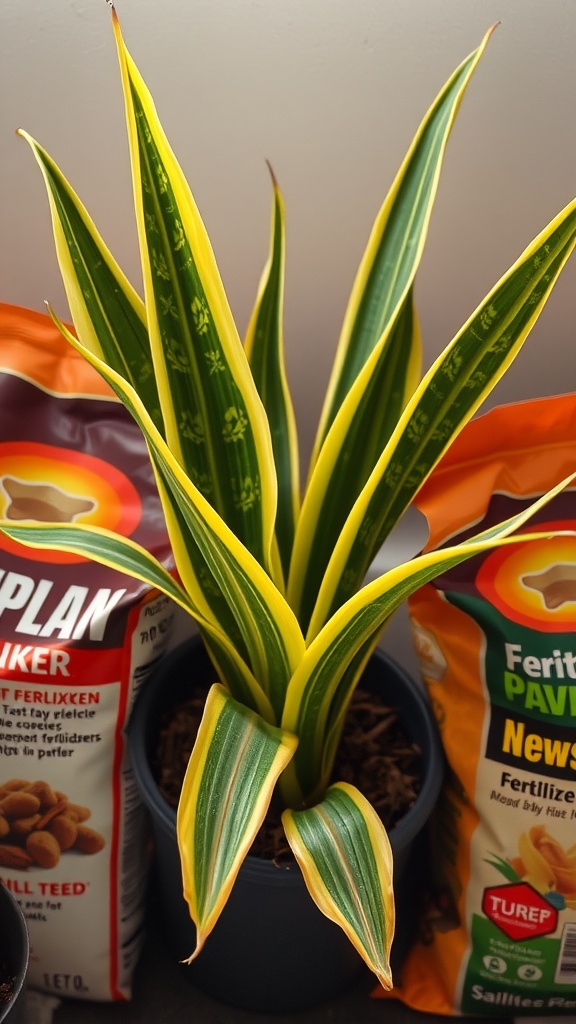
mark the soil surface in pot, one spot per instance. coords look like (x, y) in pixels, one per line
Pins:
(375, 755)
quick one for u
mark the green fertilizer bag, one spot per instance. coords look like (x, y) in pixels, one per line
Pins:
(496, 638)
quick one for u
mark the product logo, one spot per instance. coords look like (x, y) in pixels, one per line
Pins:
(534, 584)
(519, 911)
(41, 483)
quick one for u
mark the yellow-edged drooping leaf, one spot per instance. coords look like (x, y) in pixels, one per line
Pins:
(316, 701)
(108, 315)
(378, 361)
(344, 853)
(449, 395)
(103, 546)
(229, 782)
(265, 351)
(269, 629)
(125, 556)
(215, 423)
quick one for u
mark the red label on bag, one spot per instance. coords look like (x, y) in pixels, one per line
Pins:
(519, 911)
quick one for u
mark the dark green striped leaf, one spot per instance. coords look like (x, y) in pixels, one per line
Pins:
(377, 365)
(265, 621)
(449, 395)
(345, 857)
(229, 782)
(214, 421)
(108, 314)
(265, 350)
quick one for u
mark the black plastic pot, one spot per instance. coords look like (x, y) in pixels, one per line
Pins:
(272, 950)
(14, 954)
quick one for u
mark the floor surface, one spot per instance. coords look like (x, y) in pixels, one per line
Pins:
(162, 995)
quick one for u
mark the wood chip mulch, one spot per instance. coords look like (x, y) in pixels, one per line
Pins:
(375, 755)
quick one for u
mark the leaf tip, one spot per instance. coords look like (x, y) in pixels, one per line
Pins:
(272, 175)
(384, 976)
(115, 19)
(276, 187)
(492, 29)
(198, 948)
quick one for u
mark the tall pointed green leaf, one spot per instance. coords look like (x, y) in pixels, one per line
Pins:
(449, 395)
(351, 451)
(110, 321)
(378, 359)
(265, 350)
(214, 420)
(397, 240)
(229, 782)
(108, 314)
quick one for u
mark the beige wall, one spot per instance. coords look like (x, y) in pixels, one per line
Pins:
(330, 91)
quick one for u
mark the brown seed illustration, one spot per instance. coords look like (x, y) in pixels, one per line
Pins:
(42, 503)
(38, 824)
(89, 841)
(43, 848)
(557, 585)
(64, 831)
(14, 857)
(19, 804)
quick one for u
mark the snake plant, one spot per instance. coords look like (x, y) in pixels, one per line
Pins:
(276, 581)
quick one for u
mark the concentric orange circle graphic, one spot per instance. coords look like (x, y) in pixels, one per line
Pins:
(534, 583)
(43, 483)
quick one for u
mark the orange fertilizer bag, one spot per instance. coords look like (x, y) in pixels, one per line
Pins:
(496, 638)
(77, 640)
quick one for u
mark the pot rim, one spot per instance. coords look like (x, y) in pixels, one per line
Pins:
(425, 733)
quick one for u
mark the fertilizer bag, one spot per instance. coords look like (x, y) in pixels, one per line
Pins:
(77, 640)
(496, 638)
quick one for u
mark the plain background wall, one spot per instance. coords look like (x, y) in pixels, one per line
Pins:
(331, 92)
